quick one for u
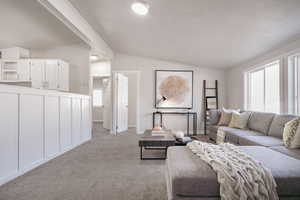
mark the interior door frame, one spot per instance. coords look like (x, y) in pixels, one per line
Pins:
(114, 92)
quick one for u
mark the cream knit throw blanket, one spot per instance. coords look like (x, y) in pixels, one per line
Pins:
(240, 177)
(220, 136)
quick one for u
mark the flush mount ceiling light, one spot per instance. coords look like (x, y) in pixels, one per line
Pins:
(94, 57)
(140, 7)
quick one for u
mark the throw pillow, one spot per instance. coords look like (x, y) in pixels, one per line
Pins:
(226, 116)
(239, 120)
(291, 134)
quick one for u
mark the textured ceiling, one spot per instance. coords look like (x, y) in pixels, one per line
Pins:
(28, 24)
(206, 33)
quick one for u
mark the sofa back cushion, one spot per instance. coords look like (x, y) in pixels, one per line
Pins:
(214, 116)
(260, 121)
(277, 125)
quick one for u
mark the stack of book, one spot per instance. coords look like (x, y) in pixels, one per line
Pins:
(158, 131)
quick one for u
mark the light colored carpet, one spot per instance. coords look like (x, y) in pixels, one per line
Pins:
(106, 168)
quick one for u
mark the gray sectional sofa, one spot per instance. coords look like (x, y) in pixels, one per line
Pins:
(264, 129)
(189, 178)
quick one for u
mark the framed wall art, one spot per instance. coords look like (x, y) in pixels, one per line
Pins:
(174, 89)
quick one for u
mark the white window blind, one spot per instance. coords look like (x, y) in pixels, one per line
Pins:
(97, 97)
(294, 85)
(263, 90)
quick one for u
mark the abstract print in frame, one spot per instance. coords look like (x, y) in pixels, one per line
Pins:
(174, 89)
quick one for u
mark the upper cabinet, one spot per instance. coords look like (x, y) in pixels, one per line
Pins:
(39, 73)
(51, 74)
(63, 76)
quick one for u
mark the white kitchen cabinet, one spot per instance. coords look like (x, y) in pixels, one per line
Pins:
(38, 125)
(23, 70)
(42, 73)
(86, 119)
(51, 74)
(14, 53)
(37, 73)
(65, 123)
(63, 76)
(31, 140)
(51, 126)
(8, 135)
(76, 121)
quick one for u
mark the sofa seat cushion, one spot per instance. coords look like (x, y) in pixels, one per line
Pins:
(189, 176)
(266, 141)
(233, 134)
(278, 123)
(260, 122)
(295, 153)
(234, 137)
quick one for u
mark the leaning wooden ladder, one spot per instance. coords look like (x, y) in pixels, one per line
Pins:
(209, 97)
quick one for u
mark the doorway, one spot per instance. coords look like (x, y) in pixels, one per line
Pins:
(101, 102)
(126, 101)
(100, 90)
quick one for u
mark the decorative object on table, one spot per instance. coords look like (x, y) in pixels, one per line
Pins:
(181, 139)
(158, 131)
(174, 89)
(210, 99)
(291, 134)
(178, 134)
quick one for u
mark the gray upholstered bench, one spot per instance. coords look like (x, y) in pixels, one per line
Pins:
(189, 178)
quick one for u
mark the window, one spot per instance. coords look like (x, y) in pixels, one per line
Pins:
(294, 84)
(97, 97)
(263, 88)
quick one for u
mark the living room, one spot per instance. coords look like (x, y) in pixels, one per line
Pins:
(144, 99)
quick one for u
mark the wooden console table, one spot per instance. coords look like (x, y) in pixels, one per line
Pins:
(188, 114)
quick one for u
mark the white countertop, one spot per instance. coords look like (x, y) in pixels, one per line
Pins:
(26, 90)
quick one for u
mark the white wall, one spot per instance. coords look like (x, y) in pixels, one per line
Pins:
(235, 75)
(146, 66)
(101, 68)
(78, 58)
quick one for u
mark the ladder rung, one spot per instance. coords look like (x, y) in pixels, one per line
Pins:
(208, 97)
(210, 88)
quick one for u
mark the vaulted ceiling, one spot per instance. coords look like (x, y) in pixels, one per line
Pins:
(28, 24)
(206, 33)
